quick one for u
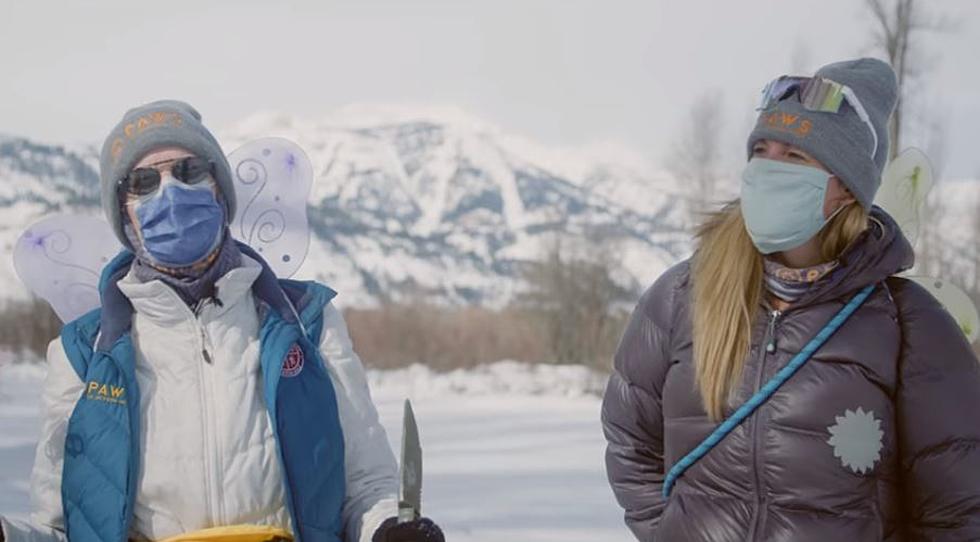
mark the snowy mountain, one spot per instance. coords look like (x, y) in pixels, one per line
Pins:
(48, 177)
(413, 203)
(410, 203)
(440, 203)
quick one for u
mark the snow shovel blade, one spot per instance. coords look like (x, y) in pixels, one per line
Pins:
(410, 492)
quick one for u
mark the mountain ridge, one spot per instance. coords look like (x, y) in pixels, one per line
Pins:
(399, 208)
(407, 204)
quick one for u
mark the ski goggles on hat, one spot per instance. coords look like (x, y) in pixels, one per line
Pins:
(817, 94)
(145, 180)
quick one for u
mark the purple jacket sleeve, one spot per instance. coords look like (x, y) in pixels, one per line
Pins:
(938, 416)
(632, 418)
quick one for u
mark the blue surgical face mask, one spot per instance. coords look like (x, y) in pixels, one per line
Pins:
(782, 203)
(181, 224)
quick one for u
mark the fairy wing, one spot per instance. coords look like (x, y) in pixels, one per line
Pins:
(956, 301)
(60, 258)
(273, 178)
(905, 184)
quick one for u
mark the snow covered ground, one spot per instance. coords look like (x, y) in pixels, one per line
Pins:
(513, 453)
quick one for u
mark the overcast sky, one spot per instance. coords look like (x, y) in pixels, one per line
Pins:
(561, 72)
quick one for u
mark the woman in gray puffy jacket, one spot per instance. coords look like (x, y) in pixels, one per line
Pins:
(877, 435)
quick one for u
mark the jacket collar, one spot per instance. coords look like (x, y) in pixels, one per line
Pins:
(878, 253)
(117, 308)
(161, 304)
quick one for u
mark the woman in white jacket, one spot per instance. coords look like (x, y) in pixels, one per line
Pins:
(206, 399)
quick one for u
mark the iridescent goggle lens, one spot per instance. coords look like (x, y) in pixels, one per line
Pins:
(817, 94)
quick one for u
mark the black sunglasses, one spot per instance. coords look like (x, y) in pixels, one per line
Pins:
(145, 180)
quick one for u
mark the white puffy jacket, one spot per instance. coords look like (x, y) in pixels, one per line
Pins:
(209, 454)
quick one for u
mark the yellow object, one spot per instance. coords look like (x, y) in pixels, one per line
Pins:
(234, 533)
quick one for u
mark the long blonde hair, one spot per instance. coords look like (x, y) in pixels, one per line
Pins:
(728, 287)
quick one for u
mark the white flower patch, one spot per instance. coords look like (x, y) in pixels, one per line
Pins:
(856, 439)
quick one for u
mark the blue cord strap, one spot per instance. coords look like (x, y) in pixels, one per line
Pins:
(767, 390)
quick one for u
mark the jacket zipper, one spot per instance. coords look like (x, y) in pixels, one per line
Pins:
(211, 456)
(768, 346)
(204, 349)
(204, 341)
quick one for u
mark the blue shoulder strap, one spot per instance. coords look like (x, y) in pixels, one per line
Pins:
(767, 390)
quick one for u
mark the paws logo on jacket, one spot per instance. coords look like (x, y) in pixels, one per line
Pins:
(292, 365)
(100, 391)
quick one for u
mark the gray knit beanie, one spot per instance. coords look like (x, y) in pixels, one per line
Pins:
(165, 123)
(840, 141)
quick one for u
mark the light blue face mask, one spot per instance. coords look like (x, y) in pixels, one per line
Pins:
(182, 224)
(782, 203)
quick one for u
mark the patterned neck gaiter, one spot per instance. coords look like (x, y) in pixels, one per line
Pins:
(788, 283)
(194, 285)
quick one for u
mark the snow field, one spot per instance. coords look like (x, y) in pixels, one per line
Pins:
(512, 452)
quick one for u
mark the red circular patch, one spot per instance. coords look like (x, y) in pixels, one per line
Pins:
(293, 364)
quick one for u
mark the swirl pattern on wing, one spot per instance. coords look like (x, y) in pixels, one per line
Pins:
(59, 243)
(60, 260)
(273, 182)
(251, 174)
(269, 226)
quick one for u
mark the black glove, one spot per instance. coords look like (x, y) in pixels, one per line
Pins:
(420, 530)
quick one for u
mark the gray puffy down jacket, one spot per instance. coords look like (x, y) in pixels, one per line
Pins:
(876, 438)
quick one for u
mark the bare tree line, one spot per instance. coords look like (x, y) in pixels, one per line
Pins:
(695, 157)
(572, 311)
(898, 25)
(26, 328)
(574, 296)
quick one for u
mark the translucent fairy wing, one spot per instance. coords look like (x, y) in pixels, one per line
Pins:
(956, 301)
(60, 259)
(273, 178)
(905, 184)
